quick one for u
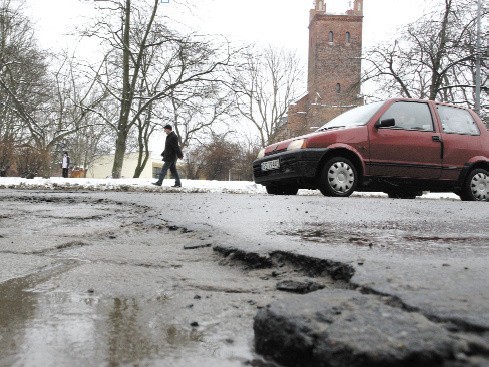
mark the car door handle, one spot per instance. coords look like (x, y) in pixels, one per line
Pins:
(438, 139)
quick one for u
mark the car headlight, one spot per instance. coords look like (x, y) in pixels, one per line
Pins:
(261, 153)
(296, 144)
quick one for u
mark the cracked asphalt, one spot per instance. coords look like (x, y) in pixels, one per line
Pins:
(113, 278)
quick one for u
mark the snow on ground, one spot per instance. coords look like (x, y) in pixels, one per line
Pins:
(139, 184)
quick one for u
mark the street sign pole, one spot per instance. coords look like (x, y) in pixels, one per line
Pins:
(477, 106)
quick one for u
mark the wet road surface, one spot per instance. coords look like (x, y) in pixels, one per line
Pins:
(155, 278)
(91, 281)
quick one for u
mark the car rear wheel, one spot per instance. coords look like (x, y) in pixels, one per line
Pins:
(282, 189)
(338, 178)
(476, 187)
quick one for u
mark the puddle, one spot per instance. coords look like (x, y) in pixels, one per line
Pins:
(55, 329)
(40, 326)
(49, 328)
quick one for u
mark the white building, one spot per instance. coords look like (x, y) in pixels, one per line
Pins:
(102, 166)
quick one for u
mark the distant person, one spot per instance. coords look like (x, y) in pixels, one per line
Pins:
(170, 154)
(65, 164)
(3, 171)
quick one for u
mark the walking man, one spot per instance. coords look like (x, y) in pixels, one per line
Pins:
(65, 164)
(170, 154)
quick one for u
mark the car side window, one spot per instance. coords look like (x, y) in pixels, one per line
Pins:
(457, 121)
(410, 116)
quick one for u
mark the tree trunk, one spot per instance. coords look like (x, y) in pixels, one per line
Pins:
(120, 148)
(120, 151)
(142, 160)
(145, 130)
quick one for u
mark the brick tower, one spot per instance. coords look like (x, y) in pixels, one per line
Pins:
(334, 69)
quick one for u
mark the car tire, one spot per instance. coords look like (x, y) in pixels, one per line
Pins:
(476, 186)
(282, 189)
(338, 178)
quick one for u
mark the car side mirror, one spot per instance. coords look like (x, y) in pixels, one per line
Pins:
(386, 123)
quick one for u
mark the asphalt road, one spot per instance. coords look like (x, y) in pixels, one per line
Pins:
(80, 266)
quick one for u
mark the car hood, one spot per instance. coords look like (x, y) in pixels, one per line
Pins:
(327, 135)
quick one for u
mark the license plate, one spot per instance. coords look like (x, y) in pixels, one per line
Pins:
(270, 165)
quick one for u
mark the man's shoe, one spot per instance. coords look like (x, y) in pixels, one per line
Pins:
(156, 184)
(179, 185)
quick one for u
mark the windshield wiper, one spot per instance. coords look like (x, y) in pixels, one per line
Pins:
(330, 128)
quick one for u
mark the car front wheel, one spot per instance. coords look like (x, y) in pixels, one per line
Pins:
(338, 178)
(476, 187)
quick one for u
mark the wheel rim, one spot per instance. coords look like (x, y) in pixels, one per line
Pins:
(479, 186)
(341, 177)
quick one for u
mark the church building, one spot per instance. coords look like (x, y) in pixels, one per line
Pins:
(334, 69)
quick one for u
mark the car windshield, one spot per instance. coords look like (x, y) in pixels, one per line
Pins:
(356, 117)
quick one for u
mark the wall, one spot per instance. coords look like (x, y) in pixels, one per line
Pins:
(102, 166)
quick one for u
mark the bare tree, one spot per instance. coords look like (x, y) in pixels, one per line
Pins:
(197, 110)
(264, 86)
(133, 33)
(433, 58)
(194, 162)
(192, 108)
(243, 165)
(40, 93)
(218, 157)
(26, 88)
(22, 76)
(66, 113)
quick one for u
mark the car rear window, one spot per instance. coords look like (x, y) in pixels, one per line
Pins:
(457, 121)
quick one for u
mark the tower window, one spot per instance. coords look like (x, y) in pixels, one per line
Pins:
(347, 37)
(330, 36)
(338, 88)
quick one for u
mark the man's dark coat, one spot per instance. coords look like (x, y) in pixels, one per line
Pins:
(172, 150)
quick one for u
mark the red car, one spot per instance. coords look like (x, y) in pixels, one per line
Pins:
(400, 146)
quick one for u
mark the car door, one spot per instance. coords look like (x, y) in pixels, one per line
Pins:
(408, 146)
(461, 139)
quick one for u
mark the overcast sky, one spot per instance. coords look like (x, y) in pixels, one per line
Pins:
(281, 23)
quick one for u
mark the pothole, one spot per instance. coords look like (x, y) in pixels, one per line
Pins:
(291, 336)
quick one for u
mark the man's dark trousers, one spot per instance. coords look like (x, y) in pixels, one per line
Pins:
(173, 169)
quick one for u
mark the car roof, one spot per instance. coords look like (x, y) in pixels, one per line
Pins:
(438, 103)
